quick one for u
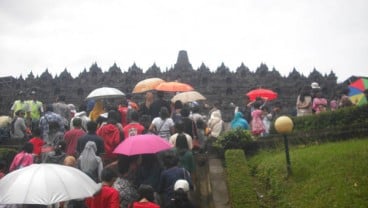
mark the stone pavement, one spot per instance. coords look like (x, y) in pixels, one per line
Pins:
(211, 188)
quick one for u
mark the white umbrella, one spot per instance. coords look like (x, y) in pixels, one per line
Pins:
(105, 92)
(187, 97)
(45, 184)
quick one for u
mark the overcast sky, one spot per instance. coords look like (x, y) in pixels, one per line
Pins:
(73, 34)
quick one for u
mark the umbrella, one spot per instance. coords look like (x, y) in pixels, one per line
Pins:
(356, 91)
(45, 184)
(263, 93)
(173, 87)
(147, 85)
(187, 97)
(142, 144)
(105, 92)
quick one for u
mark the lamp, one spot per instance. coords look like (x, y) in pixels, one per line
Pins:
(284, 125)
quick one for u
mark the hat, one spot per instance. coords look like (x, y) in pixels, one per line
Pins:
(33, 92)
(21, 92)
(181, 184)
(315, 85)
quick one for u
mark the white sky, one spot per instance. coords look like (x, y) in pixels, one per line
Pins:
(73, 34)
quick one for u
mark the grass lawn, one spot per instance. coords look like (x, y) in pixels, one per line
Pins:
(326, 175)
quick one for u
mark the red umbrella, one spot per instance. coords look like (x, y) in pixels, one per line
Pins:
(142, 144)
(263, 93)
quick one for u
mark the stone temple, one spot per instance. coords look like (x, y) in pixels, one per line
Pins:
(221, 84)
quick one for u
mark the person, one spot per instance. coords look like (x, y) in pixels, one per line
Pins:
(70, 161)
(111, 135)
(170, 176)
(185, 155)
(146, 198)
(127, 191)
(366, 94)
(257, 125)
(37, 143)
(176, 115)
(145, 107)
(215, 124)
(158, 104)
(267, 120)
(180, 198)
(18, 128)
(23, 158)
(61, 108)
(195, 115)
(319, 103)
(134, 127)
(149, 171)
(179, 129)
(97, 110)
(131, 104)
(20, 104)
(2, 168)
(344, 100)
(239, 122)
(163, 125)
(91, 136)
(107, 197)
(304, 102)
(57, 155)
(51, 124)
(245, 109)
(89, 162)
(71, 137)
(82, 114)
(36, 109)
(189, 125)
(123, 110)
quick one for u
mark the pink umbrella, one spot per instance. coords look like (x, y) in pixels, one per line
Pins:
(142, 144)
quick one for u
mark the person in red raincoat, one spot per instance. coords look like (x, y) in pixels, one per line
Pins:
(107, 197)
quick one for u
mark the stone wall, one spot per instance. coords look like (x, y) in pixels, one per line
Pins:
(220, 84)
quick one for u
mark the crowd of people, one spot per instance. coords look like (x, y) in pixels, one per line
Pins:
(85, 138)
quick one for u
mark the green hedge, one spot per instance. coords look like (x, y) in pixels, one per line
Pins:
(239, 180)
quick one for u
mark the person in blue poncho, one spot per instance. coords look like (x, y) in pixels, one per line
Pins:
(239, 122)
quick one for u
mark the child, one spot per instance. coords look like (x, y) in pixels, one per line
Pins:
(37, 143)
(267, 118)
(257, 125)
(146, 198)
(107, 197)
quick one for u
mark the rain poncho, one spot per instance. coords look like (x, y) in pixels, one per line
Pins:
(97, 110)
(89, 162)
(215, 123)
(239, 121)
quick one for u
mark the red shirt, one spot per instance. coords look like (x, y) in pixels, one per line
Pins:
(37, 145)
(133, 129)
(71, 139)
(145, 205)
(108, 197)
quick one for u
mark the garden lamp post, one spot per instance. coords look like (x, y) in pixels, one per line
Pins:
(284, 125)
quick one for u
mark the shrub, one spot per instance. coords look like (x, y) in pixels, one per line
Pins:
(234, 139)
(239, 180)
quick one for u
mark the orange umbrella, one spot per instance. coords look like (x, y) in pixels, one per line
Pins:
(174, 87)
(147, 85)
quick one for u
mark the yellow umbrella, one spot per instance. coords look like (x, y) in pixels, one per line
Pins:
(147, 85)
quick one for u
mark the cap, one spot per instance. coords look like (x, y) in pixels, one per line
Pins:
(181, 184)
(315, 85)
(33, 92)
